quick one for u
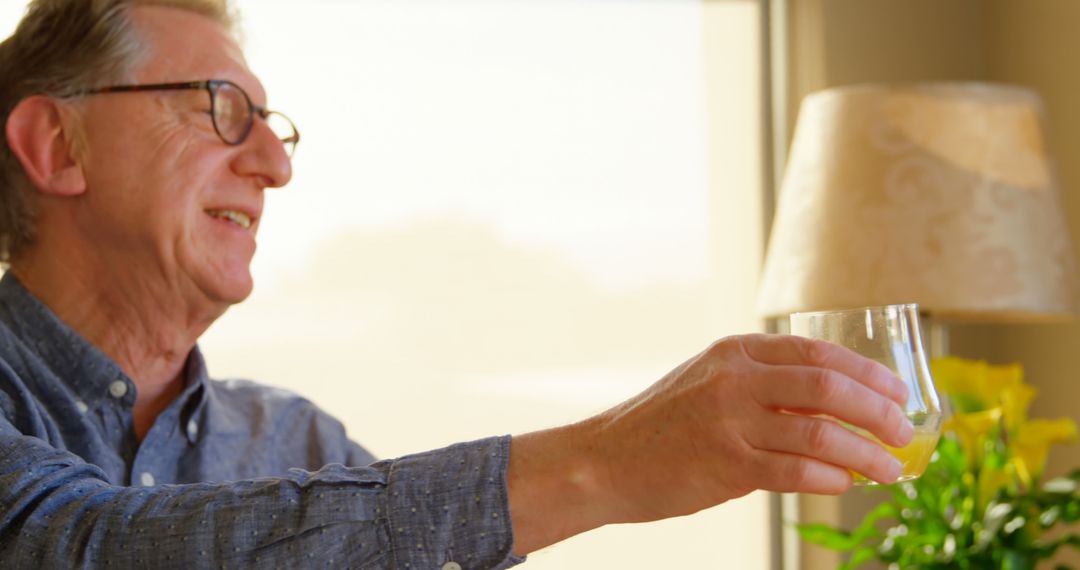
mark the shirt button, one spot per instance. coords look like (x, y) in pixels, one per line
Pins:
(81, 406)
(118, 389)
(451, 566)
(146, 479)
(192, 429)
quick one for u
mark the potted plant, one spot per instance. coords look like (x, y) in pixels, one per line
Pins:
(981, 503)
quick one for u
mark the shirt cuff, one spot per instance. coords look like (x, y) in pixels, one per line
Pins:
(449, 509)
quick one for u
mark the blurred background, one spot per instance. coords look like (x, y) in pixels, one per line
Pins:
(510, 214)
(830, 43)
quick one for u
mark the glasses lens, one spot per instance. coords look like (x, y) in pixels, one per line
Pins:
(284, 129)
(232, 113)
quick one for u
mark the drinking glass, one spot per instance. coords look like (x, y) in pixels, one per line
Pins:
(889, 334)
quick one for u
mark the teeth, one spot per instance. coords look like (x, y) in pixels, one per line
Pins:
(239, 218)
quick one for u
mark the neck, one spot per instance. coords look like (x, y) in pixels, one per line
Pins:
(143, 326)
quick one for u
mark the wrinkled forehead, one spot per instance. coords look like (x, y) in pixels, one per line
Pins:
(185, 46)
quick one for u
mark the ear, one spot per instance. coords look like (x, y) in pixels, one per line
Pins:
(36, 135)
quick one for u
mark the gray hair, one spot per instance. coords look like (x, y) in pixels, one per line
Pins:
(59, 47)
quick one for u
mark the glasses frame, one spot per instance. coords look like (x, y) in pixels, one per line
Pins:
(211, 86)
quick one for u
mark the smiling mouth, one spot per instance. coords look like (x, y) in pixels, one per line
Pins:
(239, 218)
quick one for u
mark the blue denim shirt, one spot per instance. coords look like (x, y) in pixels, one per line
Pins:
(232, 474)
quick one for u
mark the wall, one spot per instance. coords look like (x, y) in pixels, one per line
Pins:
(1034, 44)
(840, 42)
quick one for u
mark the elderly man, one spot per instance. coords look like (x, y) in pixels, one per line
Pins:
(136, 152)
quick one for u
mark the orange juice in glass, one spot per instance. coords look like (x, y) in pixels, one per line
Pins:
(891, 335)
(914, 457)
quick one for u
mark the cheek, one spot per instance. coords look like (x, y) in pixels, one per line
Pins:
(160, 208)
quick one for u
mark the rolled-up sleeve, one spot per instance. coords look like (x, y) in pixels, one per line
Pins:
(451, 505)
(441, 509)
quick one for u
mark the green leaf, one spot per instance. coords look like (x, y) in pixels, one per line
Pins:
(1014, 560)
(950, 456)
(827, 536)
(859, 557)
(1072, 512)
(881, 511)
(966, 403)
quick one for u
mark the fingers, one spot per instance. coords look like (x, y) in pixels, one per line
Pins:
(788, 473)
(822, 391)
(825, 440)
(793, 350)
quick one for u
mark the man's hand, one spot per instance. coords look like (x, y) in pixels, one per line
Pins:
(743, 415)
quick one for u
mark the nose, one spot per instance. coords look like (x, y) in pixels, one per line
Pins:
(263, 156)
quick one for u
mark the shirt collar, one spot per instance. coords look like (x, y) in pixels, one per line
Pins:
(77, 362)
(193, 399)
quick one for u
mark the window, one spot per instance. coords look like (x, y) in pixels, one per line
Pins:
(508, 215)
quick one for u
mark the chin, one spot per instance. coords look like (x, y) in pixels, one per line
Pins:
(229, 289)
(238, 291)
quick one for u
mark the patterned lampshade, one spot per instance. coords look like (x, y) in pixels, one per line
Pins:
(938, 194)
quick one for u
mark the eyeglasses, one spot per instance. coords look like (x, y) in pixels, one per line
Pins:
(232, 111)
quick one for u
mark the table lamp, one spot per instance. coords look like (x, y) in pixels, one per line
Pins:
(941, 194)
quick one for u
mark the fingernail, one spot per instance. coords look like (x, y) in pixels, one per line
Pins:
(907, 432)
(902, 394)
(896, 470)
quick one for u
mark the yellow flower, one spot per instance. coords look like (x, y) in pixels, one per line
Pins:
(992, 480)
(972, 429)
(1032, 444)
(1015, 399)
(973, 385)
(997, 378)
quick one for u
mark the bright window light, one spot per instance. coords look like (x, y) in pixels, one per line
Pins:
(506, 215)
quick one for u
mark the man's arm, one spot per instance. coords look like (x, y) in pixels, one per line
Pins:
(736, 418)
(733, 419)
(418, 511)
